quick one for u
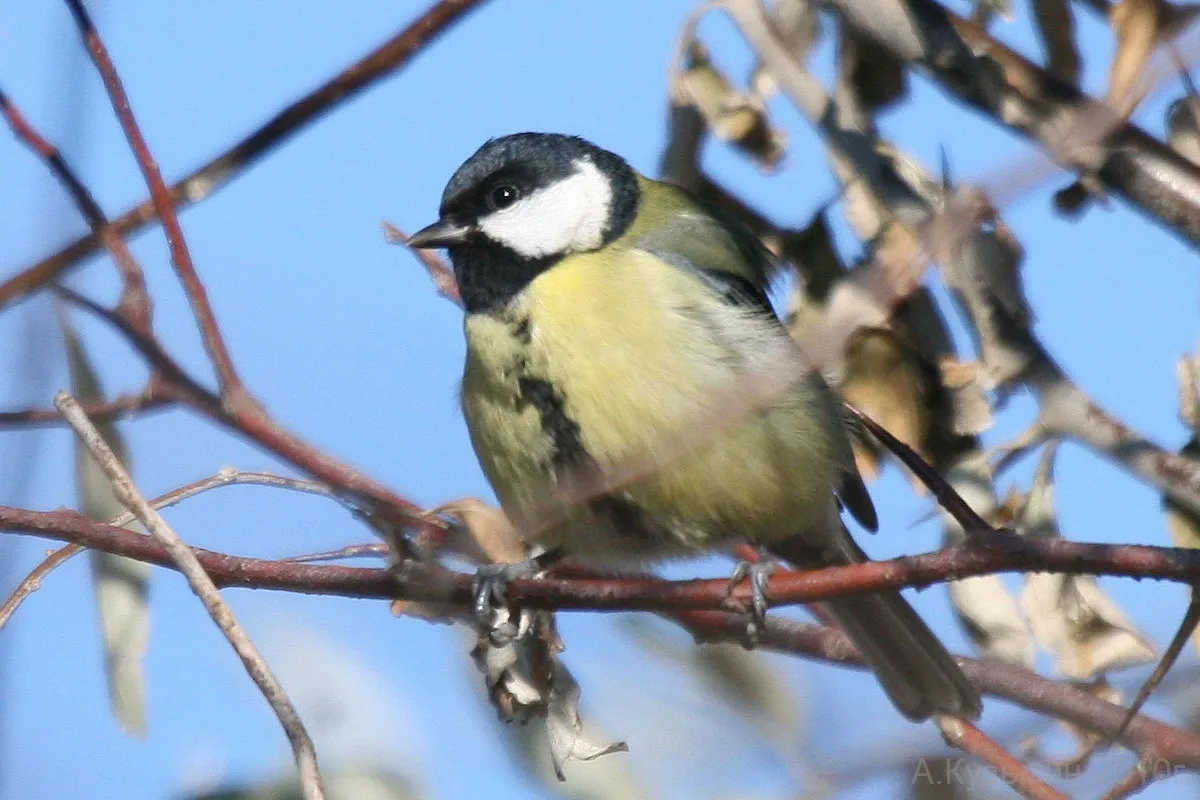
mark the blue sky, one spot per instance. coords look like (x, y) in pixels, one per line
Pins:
(343, 339)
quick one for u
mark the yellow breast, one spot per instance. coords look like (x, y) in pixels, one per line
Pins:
(681, 400)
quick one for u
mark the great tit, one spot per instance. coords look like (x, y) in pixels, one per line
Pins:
(632, 396)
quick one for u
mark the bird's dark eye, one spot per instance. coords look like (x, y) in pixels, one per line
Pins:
(503, 196)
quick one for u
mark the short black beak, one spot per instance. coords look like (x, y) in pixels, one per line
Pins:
(443, 233)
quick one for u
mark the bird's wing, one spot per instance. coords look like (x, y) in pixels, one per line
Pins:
(728, 256)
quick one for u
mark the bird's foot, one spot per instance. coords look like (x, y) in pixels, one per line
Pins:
(490, 588)
(758, 573)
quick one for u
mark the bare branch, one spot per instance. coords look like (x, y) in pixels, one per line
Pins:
(125, 405)
(440, 273)
(251, 421)
(33, 581)
(135, 302)
(965, 736)
(232, 391)
(203, 182)
(1021, 95)
(205, 589)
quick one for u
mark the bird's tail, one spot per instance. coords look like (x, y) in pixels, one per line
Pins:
(918, 674)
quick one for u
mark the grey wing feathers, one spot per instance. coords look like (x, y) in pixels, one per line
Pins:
(726, 254)
(850, 489)
(716, 246)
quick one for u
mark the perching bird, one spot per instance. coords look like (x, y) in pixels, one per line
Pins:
(632, 396)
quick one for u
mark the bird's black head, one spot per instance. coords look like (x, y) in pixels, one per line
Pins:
(520, 204)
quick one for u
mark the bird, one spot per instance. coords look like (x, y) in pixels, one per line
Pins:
(633, 398)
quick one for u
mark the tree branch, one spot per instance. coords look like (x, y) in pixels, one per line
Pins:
(1081, 133)
(215, 174)
(134, 303)
(699, 605)
(965, 736)
(232, 391)
(184, 559)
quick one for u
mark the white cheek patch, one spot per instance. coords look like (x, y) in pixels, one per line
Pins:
(568, 216)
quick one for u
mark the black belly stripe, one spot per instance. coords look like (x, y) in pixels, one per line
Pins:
(565, 440)
(571, 460)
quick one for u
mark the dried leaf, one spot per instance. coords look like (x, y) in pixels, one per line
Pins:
(1135, 25)
(735, 117)
(564, 727)
(1075, 621)
(900, 254)
(1056, 27)
(983, 269)
(1187, 376)
(1010, 511)
(526, 679)
(483, 534)
(1071, 617)
(883, 380)
(1183, 125)
(990, 614)
(984, 604)
(120, 584)
(797, 26)
(970, 409)
(441, 275)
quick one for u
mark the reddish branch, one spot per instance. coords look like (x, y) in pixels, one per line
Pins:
(965, 736)
(698, 604)
(121, 406)
(429, 582)
(232, 391)
(367, 71)
(135, 302)
(53, 158)
(235, 408)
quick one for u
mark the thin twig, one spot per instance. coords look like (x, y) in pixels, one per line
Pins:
(234, 161)
(33, 581)
(180, 382)
(1135, 780)
(206, 590)
(368, 550)
(965, 736)
(122, 406)
(231, 476)
(135, 300)
(225, 477)
(232, 391)
(1187, 626)
(54, 160)
(440, 274)
(251, 421)
(1024, 97)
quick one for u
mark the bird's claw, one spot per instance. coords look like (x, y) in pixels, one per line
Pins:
(758, 573)
(489, 589)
